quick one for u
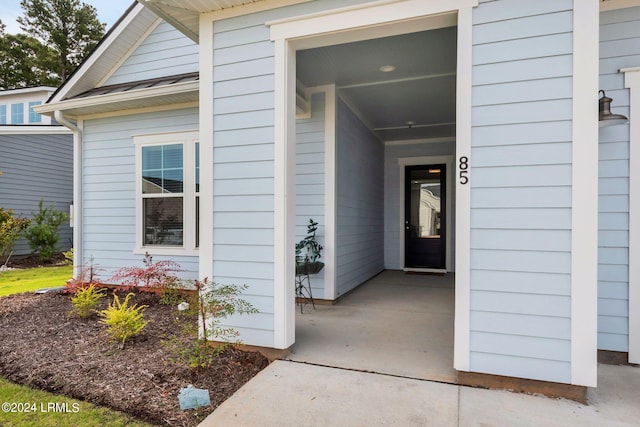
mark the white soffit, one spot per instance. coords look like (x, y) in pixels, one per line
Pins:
(185, 14)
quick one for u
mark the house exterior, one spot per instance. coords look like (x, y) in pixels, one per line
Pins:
(36, 160)
(211, 132)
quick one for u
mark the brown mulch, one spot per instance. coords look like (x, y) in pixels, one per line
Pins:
(44, 347)
(32, 261)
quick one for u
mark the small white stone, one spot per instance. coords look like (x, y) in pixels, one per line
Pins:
(183, 306)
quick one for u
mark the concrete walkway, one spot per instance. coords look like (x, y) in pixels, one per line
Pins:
(290, 393)
(396, 323)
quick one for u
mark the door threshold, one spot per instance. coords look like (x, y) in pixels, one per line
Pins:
(425, 270)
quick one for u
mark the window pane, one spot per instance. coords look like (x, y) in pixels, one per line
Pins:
(197, 222)
(163, 221)
(17, 114)
(3, 114)
(33, 116)
(162, 170)
(197, 167)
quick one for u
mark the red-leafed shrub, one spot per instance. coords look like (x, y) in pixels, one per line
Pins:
(153, 274)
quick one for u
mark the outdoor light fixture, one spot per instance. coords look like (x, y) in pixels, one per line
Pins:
(606, 118)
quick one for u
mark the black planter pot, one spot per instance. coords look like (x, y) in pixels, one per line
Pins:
(309, 267)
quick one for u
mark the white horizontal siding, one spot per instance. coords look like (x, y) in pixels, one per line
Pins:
(521, 189)
(619, 48)
(310, 152)
(359, 202)
(37, 167)
(109, 187)
(165, 52)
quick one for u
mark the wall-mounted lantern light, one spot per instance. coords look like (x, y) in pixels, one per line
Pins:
(606, 118)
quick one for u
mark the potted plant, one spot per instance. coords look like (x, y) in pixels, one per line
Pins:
(309, 251)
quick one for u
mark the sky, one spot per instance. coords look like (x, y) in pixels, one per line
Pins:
(108, 12)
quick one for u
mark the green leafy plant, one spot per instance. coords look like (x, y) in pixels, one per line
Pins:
(42, 234)
(212, 303)
(11, 229)
(68, 257)
(312, 249)
(86, 299)
(123, 321)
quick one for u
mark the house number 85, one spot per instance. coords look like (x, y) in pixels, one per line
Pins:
(464, 170)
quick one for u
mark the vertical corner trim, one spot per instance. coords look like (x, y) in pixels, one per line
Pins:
(584, 195)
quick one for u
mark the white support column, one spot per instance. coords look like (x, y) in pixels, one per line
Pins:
(284, 322)
(584, 195)
(206, 147)
(632, 82)
(461, 353)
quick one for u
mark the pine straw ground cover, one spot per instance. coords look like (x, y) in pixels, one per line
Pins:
(44, 347)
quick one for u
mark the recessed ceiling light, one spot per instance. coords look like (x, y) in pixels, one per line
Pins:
(387, 68)
(410, 123)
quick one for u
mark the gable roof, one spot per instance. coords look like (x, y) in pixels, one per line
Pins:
(84, 91)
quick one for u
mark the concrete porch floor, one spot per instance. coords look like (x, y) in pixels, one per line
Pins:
(396, 323)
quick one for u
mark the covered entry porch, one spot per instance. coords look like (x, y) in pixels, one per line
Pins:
(395, 323)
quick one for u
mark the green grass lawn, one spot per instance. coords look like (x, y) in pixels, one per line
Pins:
(50, 410)
(27, 280)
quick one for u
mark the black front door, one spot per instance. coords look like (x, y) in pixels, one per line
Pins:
(425, 216)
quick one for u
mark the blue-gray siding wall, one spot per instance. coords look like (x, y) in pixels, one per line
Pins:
(619, 48)
(310, 143)
(37, 167)
(243, 170)
(165, 52)
(521, 189)
(109, 193)
(392, 187)
(243, 152)
(359, 202)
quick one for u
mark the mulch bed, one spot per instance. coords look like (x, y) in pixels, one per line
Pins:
(44, 347)
(31, 261)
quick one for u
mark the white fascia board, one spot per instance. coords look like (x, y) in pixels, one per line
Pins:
(192, 86)
(34, 130)
(87, 65)
(357, 16)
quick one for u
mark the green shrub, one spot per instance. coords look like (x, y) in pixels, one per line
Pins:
(123, 321)
(68, 257)
(11, 229)
(86, 299)
(42, 234)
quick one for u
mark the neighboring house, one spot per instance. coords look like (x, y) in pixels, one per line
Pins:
(212, 135)
(36, 159)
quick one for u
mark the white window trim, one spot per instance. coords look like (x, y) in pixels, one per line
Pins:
(188, 139)
(632, 82)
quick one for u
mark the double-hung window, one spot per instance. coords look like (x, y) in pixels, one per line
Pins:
(33, 116)
(17, 114)
(167, 181)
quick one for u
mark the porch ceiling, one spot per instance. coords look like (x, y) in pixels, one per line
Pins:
(416, 100)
